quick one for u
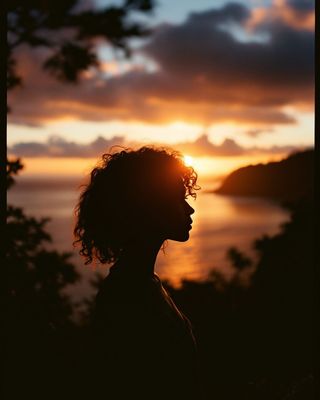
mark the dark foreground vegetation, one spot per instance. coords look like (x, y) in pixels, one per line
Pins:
(255, 342)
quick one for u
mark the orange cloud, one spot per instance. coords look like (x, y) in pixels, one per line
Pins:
(205, 76)
(297, 14)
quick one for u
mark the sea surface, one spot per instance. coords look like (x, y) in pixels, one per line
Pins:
(219, 223)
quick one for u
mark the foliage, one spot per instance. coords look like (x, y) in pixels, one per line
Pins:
(13, 167)
(38, 312)
(70, 32)
(36, 275)
(238, 260)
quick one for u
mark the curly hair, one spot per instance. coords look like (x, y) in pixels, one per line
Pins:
(121, 191)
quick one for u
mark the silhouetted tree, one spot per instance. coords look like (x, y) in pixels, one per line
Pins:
(13, 167)
(69, 30)
(238, 259)
(36, 275)
(283, 287)
(38, 313)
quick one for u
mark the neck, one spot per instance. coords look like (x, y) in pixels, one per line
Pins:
(140, 257)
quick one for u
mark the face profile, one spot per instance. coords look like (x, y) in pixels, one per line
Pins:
(132, 196)
(179, 221)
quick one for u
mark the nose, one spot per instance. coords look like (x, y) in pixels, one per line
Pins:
(190, 210)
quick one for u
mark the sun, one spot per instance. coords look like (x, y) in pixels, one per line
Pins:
(188, 160)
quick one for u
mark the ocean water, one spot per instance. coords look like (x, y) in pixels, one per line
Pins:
(219, 223)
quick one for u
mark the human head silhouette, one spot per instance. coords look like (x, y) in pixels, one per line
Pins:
(134, 194)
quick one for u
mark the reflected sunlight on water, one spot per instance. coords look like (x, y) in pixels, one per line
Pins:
(219, 222)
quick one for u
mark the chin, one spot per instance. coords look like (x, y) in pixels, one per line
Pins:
(181, 237)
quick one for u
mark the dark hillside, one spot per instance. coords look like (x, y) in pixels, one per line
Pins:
(289, 179)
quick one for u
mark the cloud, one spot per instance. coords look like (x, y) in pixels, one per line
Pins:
(298, 14)
(56, 146)
(205, 75)
(203, 147)
(302, 6)
(255, 132)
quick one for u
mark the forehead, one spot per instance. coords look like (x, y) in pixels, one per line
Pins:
(180, 187)
(175, 185)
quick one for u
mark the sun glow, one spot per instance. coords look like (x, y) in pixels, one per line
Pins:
(188, 160)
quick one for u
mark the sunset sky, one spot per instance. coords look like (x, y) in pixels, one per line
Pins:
(228, 83)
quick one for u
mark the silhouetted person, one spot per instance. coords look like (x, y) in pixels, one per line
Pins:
(142, 345)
